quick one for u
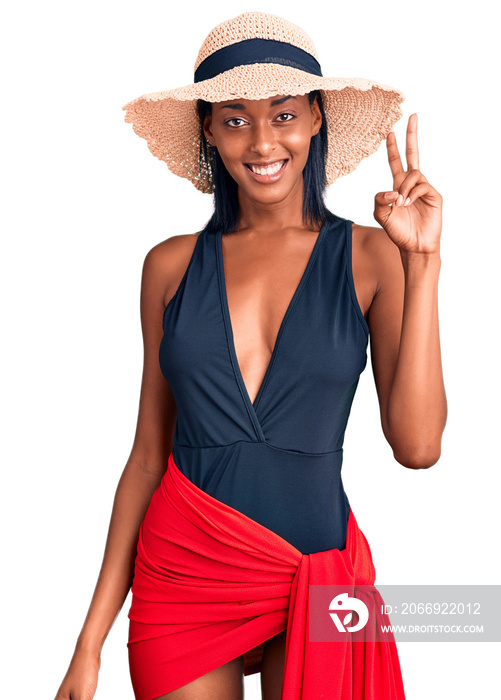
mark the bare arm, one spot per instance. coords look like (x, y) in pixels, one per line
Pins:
(405, 352)
(133, 494)
(403, 317)
(144, 469)
(142, 474)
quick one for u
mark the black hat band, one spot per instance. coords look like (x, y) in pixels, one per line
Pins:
(256, 51)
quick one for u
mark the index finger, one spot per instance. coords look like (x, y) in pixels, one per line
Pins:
(393, 154)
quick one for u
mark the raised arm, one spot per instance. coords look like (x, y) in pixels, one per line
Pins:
(403, 316)
(142, 474)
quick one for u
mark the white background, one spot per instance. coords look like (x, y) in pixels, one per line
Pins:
(83, 201)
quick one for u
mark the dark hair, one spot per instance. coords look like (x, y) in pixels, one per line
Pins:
(226, 208)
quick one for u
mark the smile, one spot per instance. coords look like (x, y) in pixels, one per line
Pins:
(270, 173)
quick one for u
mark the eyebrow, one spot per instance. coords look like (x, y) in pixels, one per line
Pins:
(275, 102)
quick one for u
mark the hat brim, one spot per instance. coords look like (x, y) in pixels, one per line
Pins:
(360, 113)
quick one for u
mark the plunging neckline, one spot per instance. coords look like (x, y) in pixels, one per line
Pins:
(252, 406)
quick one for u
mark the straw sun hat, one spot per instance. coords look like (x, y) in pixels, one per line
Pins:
(255, 56)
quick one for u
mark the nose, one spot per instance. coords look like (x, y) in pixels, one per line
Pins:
(263, 138)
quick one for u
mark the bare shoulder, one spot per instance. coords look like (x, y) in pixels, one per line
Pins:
(167, 262)
(376, 256)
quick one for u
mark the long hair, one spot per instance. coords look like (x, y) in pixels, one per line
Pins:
(226, 209)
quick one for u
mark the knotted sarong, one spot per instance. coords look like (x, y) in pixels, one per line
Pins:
(211, 584)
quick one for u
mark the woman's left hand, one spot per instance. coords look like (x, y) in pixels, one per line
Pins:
(414, 228)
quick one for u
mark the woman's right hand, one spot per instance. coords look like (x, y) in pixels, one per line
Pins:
(80, 681)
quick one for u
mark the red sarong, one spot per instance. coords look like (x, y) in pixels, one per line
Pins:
(211, 584)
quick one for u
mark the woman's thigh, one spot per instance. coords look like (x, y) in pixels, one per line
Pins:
(224, 683)
(272, 668)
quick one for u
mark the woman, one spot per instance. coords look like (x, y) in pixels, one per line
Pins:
(231, 504)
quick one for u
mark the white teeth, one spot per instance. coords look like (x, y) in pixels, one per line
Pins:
(270, 170)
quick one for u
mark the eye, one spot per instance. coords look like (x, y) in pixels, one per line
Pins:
(287, 114)
(234, 119)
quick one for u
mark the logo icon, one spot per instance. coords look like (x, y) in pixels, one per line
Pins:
(343, 602)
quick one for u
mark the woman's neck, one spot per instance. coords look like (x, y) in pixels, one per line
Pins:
(273, 216)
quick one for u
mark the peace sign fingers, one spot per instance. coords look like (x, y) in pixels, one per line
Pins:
(411, 149)
(411, 214)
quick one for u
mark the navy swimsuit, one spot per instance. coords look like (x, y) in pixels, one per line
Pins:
(277, 460)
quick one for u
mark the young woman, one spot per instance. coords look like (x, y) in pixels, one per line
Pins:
(255, 333)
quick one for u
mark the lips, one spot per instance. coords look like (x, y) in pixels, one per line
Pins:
(268, 169)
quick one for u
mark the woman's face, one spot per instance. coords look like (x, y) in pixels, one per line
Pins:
(260, 133)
